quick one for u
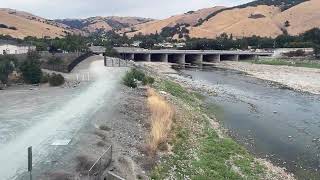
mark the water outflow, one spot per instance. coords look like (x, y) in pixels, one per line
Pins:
(62, 122)
(279, 124)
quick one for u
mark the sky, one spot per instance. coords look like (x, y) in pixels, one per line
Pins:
(157, 9)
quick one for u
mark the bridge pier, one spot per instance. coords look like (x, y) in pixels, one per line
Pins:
(182, 59)
(147, 57)
(164, 58)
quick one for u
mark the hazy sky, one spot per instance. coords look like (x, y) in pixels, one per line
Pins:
(54, 9)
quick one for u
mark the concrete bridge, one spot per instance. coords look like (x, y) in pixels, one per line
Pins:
(188, 56)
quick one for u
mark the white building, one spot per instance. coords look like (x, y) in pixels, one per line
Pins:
(12, 48)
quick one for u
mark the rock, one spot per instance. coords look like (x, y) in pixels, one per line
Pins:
(275, 112)
(163, 93)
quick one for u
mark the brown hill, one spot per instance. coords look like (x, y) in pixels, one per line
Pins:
(20, 24)
(261, 17)
(94, 24)
(191, 18)
(302, 17)
(268, 21)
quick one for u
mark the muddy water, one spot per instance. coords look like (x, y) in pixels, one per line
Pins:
(278, 124)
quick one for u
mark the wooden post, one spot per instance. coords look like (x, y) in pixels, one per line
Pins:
(105, 59)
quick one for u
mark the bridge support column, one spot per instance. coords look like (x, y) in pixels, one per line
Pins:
(164, 58)
(198, 59)
(182, 59)
(131, 56)
(147, 57)
(235, 58)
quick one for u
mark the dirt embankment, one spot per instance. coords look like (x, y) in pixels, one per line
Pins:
(297, 78)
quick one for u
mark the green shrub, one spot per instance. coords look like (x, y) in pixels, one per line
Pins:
(148, 80)
(138, 74)
(30, 68)
(56, 80)
(7, 66)
(131, 77)
(45, 78)
(129, 81)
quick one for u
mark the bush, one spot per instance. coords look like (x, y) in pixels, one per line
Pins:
(12, 28)
(7, 66)
(138, 74)
(131, 78)
(45, 78)
(129, 81)
(297, 53)
(3, 26)
(30, 68)
(148, 80)
(56, 80)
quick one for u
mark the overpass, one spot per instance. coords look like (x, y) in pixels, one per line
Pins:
(183, 57)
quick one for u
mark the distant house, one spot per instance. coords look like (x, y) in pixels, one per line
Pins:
(9, 47)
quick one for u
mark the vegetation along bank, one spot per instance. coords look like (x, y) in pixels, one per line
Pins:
(192, 145)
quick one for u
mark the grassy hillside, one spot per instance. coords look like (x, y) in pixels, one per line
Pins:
(282, 4)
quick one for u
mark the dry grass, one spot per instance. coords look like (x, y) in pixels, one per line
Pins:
(161, 120)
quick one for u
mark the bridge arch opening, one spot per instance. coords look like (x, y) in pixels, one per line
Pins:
(194, 58)
(159, 58)
(141, 57)
(211, 58)
(229, 57)
(247, 57)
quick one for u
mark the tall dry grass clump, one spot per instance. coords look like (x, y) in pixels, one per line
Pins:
(161, 120)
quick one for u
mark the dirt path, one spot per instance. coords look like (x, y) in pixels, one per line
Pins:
(298, 78)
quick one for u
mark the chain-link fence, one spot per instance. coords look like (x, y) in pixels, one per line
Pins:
(98, 168)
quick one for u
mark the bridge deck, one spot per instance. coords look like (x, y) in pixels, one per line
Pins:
(204, 52)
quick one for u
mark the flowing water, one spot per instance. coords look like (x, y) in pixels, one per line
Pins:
(274, 123)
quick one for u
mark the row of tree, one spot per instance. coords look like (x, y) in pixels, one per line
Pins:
(309, 39)
(74, 43)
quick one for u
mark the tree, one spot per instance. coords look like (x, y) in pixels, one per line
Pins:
(7, 66)
(317, 50)
(110, 52)
(31, 68)
(147, 44)
(287, 24)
